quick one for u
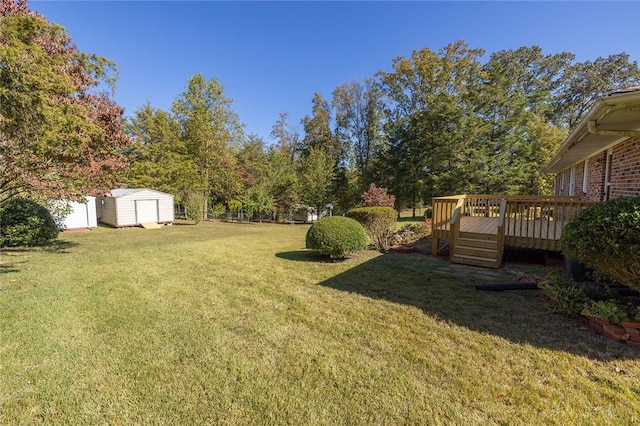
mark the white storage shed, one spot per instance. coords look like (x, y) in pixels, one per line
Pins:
(134, 206)
(81, 215)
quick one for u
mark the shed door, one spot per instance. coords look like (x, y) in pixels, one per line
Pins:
(146, 211)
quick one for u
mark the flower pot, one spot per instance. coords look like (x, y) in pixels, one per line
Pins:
(576, 270)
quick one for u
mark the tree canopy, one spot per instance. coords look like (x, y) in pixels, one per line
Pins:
(59, 138)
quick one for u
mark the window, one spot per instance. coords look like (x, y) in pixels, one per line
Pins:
(572, 181)
(585, 175)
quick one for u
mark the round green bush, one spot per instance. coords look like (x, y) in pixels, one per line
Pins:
(606, 237)
(26, 223)
(336, 236)
(378, 222)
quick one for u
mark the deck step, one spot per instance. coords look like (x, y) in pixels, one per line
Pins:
(486, 262)
(491, 253)
(478, 236)
(475, 242)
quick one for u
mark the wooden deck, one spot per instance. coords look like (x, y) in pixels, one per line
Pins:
(534, 222)
(540, 234)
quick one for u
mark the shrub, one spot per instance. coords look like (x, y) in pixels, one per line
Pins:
(26, 223)
(428, 213)
(607, 311)
(378, 222)
(336, 236)
(606, 237)
(569, 295)
(409, 233)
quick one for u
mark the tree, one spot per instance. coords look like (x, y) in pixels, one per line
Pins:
(317, 130)
(430, 122)
(281, 180)
(584, 82)
(358, 111)
(58, 137)
(158, 155)
(287, 138)
(515, 106)
(375, 197)
(316, 178)
(208, 128)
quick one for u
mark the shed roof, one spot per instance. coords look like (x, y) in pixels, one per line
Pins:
(611, 120)
(121, 192)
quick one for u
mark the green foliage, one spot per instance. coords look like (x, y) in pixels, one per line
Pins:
(26, 223)
(569, 295)
(217, 210)
(258, 201)
(316, 178)
(194, 204)
(607, 311)
(336, 236)
(58, 139)
(428, 213)
(378, 222)
(606, 237)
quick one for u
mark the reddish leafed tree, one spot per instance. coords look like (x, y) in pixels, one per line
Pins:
(375, 196)
(59, 138)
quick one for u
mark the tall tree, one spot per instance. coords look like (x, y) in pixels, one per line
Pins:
(517, 92)
(358, 114)
(287, 138)
(209, 128)
(429, 121)
(317, 130)
(159, 158)
(282, 180)
(58, 137)
(583, 82)
(317, 178)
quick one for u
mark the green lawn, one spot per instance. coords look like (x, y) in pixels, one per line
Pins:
(238, 324)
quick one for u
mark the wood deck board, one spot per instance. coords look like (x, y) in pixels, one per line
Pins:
(518, 232)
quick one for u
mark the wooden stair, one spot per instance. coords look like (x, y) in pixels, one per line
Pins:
(476, 249)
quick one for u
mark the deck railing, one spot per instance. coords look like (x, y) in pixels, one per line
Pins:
(528, 221)
(443, 209)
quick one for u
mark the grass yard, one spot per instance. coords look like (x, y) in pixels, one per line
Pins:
(238, 324)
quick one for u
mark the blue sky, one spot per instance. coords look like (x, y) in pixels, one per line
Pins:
(271, 57)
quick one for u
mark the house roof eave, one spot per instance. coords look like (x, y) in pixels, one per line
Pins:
(611, 120)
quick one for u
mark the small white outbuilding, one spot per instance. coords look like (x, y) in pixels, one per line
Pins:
(134, 206)
(81, 215)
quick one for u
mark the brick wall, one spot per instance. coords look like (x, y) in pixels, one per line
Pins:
(625, 170)
(595, 179)
(625, 174)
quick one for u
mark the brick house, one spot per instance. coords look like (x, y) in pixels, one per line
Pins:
(600, 159)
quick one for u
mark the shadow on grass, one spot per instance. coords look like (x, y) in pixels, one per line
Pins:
(307, 256)
(7, 269)
(447, 291)
(57, 246)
